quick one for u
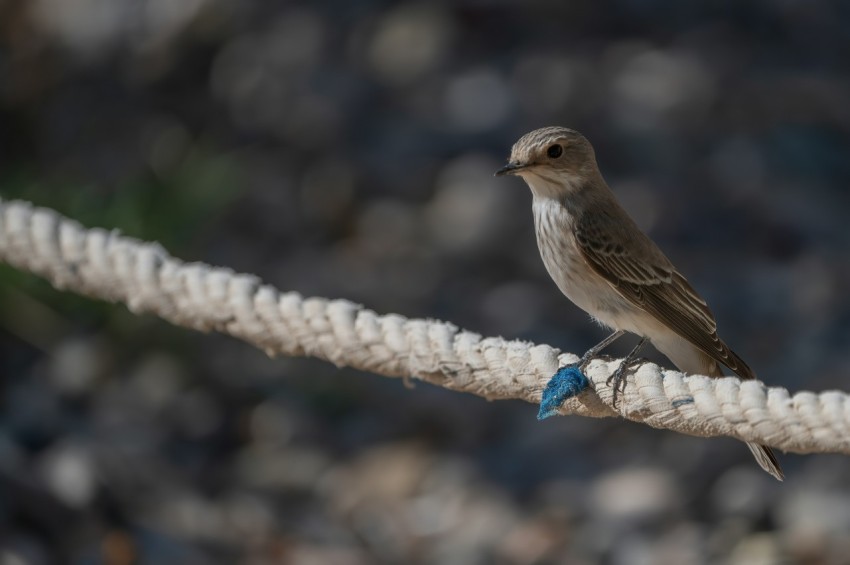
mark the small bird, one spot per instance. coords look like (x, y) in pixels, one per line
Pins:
(609, 268)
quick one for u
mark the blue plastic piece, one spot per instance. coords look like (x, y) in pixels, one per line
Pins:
(567, 382)
(682, 401)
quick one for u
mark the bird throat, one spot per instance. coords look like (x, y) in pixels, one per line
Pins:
(554, 185)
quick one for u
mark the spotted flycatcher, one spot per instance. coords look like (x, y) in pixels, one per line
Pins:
(609, 268)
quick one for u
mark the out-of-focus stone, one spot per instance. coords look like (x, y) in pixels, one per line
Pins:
(635, 494)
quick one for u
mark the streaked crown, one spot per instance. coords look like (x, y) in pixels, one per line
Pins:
(551, 148)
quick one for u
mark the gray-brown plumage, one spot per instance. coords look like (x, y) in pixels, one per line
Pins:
(607, 266)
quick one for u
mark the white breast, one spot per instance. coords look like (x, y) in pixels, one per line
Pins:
(567, 267)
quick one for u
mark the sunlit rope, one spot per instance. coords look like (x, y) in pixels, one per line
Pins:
(106, 265)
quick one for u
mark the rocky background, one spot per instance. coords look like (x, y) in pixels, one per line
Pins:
(346, 149)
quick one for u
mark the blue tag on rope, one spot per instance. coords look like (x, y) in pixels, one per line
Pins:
(567, 382)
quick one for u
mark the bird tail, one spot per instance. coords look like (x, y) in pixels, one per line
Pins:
(690, 359)
(709, 365)
(736, 364)
(766, 460)
(763, 454)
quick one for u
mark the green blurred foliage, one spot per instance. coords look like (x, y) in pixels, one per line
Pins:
(176, 208)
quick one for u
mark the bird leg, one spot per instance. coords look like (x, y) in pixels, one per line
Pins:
(630, 360)
(594, 351)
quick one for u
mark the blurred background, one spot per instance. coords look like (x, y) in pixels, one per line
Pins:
(346, 149)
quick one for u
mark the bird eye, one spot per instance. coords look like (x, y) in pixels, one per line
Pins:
(554, 151)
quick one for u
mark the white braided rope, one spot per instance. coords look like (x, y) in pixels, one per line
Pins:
(106, 265)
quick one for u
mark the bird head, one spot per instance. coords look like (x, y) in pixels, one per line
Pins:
(552, 160)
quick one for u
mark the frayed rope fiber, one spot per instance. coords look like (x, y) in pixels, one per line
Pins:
(106, 265)
(568, 382)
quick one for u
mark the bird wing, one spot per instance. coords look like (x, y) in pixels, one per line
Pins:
(642, 274)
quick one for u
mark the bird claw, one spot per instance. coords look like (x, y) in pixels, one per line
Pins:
(617, 380)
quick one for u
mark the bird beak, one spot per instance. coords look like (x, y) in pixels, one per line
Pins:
(510, 169)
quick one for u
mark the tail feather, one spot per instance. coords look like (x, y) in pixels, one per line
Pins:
(690, 359)
(766, 460)
(737, 365)
(763, 454)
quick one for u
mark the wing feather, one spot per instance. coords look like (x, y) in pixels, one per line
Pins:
(642, 274)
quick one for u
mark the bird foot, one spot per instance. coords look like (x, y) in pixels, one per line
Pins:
(617, 380)
(570, 379)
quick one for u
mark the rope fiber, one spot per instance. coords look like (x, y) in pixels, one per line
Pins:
(106, 265)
